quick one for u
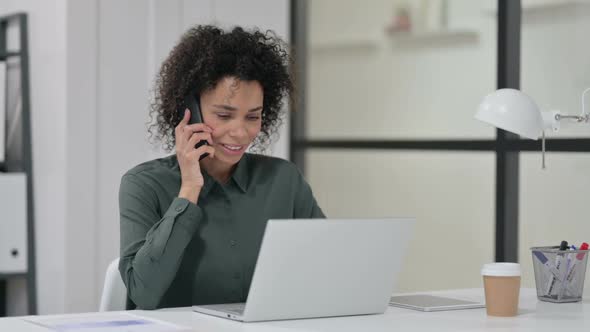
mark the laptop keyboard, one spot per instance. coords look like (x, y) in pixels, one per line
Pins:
(236, 310)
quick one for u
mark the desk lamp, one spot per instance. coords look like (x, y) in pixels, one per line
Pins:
(514, 111)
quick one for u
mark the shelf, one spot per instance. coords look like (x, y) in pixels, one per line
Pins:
(5, 276)
(15, 27)
(9, 54)
(348, 44)
(435, 37)
(11, 166)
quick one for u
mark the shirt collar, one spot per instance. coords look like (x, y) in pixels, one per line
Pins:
(239, 177)
(208, 185)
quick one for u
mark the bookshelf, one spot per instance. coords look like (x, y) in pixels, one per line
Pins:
(17, 158)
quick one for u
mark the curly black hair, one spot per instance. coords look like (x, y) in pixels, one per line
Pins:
(205, 55)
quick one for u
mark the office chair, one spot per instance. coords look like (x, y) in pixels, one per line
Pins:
(114, 293)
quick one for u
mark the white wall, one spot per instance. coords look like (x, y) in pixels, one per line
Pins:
(555, 61)
(92, 66)
(81, 159)
(394, 88)
(450, 194)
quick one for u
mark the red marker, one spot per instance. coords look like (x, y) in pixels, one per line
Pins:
(580, 256)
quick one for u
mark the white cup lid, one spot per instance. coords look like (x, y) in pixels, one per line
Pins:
(501, 270)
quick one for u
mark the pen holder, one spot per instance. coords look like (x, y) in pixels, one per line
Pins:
(559, 274)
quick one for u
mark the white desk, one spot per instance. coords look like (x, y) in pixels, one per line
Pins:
(533, 316)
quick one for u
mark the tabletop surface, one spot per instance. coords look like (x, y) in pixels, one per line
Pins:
(533, 315)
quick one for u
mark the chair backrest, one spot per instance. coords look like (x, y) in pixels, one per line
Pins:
(114, 293)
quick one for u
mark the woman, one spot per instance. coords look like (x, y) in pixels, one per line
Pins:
(191, 230)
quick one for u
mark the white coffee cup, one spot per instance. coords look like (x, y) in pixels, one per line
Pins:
(502, 288)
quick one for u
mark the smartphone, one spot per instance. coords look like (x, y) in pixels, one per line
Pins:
(193, 104)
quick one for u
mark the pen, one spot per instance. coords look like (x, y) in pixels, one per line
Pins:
(563, 245)
(545, 262)
(565, 285)
(558, 259)
(579, 257)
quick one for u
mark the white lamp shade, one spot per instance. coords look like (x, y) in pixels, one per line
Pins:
(513, 111)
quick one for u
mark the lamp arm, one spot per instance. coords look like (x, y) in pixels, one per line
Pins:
(578, 118)
(584, 114)
(551, 119)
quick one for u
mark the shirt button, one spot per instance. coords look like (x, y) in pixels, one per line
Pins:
(233, 243)
(178, 208)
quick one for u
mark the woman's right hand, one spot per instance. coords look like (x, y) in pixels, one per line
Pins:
(187, 136)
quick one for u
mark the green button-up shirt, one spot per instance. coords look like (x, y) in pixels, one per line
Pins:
(175, 253)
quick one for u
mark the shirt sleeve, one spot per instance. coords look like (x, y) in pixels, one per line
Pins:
(306, 205)
(152, 245)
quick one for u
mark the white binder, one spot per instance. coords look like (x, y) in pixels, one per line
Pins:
(13, 223)
(2, 110)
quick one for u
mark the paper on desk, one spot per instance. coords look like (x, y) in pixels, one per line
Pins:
(107, 322)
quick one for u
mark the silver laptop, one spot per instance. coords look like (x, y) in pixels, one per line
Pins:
(321, 268)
